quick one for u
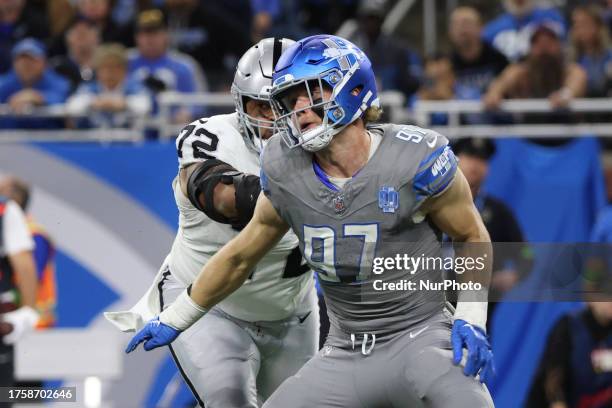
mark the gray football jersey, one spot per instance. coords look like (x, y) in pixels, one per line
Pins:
(344, 233)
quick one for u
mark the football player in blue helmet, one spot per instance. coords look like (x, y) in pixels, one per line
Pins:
(359, 196)
(323, 62)
(244, 349)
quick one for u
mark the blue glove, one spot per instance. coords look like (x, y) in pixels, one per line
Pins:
(480, 356)
(154, 334)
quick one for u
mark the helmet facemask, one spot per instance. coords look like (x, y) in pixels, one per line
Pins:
(250, 126)
(331, 114)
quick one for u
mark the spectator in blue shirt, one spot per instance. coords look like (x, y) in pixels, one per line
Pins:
(160, 69)
(112, 100)
(511, 31)
(18, 21)
(30, 84)
(591, 49)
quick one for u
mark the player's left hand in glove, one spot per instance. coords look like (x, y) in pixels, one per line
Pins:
(154, 334)
(22, 320)
(479, 354)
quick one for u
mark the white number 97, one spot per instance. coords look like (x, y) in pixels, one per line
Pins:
(411, 134)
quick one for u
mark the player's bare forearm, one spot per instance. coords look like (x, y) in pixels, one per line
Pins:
(455, 214)
(25, 276)
(230, 267)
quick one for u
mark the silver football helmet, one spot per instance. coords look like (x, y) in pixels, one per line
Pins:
(253, 79)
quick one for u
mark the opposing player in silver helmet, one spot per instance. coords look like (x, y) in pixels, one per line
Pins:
(240, 352)
(251, 86)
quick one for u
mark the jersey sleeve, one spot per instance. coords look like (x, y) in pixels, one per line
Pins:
(207, 138)
(437, 169)
(17, 237)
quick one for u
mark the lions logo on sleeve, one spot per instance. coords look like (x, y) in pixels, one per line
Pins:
(437, 168)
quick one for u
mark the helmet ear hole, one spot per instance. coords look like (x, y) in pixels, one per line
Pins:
(357, 90)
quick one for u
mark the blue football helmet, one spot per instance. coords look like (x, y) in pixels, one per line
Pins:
(319, 62)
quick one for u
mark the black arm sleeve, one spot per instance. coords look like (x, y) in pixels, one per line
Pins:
(204, 179)
(247, 190)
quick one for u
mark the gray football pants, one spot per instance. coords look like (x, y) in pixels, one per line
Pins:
(413, 369)
(231, 363)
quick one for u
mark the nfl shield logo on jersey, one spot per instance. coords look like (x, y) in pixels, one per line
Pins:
(338, 201)
(388, 199)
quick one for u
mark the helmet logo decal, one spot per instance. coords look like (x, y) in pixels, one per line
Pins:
(339, 54)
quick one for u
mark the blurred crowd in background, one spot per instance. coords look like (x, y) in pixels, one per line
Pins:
(105, 61)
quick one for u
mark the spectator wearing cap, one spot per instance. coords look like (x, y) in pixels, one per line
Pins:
(511, 31)
(160, 69)
(474, 155)
(590, 47)
(475, 62)
(30, 84)
(82, 38)
(545, 73)
(396, 66)
(112, 99)
(18, 21)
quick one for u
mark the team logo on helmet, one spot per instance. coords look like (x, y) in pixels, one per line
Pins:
(335, 53)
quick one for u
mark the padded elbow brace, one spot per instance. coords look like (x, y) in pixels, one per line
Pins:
(205, 178)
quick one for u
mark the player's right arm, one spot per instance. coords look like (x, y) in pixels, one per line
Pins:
(231, 266)
(225, 272)
(208, 178)
(224, 195)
